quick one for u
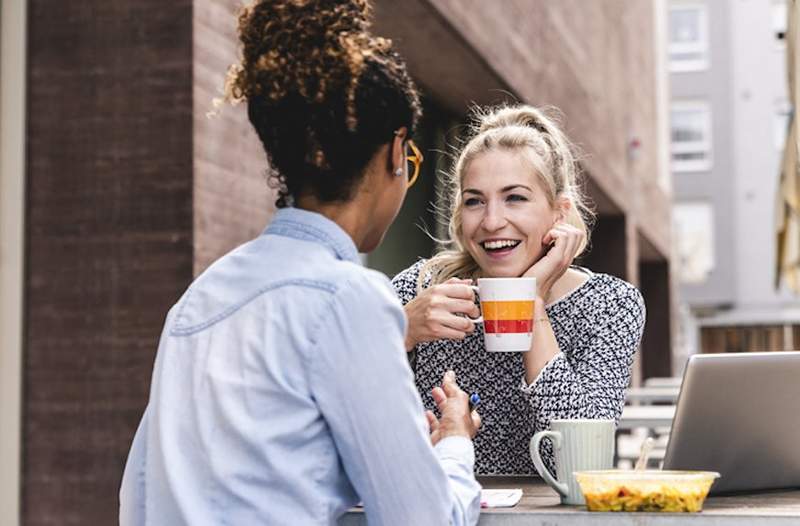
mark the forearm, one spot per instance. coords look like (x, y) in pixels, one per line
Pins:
(588, 379)
(544, 346)
(410, 344)
(561, 391)
(410, 340)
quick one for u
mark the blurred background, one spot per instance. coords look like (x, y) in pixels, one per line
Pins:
(116, 190)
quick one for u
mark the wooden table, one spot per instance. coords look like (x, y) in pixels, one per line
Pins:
(540, 506)
(651, 416)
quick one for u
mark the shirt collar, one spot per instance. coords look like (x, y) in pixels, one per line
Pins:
(311, 226)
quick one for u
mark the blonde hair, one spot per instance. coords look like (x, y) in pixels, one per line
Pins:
(535, 133)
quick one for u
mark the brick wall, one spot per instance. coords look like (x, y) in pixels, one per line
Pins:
(131, 192)
(108, 238)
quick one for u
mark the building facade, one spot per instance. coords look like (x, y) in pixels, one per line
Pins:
(126, 191)
(729, 112)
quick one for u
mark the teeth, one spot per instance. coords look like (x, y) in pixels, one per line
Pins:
(500, 243)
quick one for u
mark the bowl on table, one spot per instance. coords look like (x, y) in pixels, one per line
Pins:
(645, 490)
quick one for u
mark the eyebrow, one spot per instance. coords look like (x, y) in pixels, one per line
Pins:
(502, 190)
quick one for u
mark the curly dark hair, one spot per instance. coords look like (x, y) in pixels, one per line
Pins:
(322, 92)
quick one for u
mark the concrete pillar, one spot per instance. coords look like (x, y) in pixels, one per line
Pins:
(12, 243)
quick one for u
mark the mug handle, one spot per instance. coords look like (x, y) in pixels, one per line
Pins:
(479, 319)
(555, 436)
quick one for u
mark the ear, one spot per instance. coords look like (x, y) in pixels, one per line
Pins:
(562, 208)
(397, 152)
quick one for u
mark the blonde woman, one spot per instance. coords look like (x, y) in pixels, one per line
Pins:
(517, 211)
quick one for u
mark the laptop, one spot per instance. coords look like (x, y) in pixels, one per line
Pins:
(739, 414)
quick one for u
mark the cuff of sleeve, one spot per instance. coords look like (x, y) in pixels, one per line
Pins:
(456, 448)
(529, 388)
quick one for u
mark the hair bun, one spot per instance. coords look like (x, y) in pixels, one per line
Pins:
(303, 47)
(504, 116)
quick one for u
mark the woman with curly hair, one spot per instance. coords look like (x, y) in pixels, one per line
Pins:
(281, 392)
(517, 210)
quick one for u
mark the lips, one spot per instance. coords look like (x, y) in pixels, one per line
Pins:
(499, 244)
(499, 250)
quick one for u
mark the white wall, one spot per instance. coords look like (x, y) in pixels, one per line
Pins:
(12, 208)
(759, 79)
(660, 23)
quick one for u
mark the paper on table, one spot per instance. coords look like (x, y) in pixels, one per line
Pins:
(500, 498)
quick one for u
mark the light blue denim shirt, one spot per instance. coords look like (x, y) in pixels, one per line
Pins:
(281, 394)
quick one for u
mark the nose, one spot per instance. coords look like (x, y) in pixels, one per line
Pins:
(494, 218)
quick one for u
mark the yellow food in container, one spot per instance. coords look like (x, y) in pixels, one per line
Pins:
(647, 490)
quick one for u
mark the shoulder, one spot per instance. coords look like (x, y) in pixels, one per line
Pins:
(602, 295)
(618, 289)
(610, 288)
(405, 282)
(362, 314)
(614, 298)
(411, 273)
(359, 289)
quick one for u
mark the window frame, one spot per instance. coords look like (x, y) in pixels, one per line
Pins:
(700, 46)
(704, 145)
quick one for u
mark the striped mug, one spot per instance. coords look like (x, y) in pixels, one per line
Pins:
(506, 313)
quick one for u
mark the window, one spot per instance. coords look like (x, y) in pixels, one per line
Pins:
(688, 37)
(691, 136)
(694, 239)
(780, 122)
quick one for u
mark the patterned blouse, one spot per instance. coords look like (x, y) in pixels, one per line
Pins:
(597, 326)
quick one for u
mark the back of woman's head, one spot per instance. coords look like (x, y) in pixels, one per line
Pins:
(323, 93)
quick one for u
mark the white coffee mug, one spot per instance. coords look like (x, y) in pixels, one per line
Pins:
(507, 306)
(579, 445)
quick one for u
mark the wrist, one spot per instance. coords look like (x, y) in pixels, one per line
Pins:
(539, 304)
(455, 433)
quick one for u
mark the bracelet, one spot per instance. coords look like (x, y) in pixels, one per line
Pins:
(543, 319)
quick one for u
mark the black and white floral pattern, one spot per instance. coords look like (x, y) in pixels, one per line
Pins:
(598, 327)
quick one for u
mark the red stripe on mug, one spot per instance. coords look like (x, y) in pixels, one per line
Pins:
(507, 326)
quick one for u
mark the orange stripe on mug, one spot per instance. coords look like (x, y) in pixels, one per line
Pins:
(507, 310)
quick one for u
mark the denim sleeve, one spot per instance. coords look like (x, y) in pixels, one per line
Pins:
(365, 391)
(132, 491)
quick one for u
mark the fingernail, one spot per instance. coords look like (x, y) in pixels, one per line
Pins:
(450, 375)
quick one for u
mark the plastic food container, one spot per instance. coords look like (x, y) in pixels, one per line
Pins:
(647, 490)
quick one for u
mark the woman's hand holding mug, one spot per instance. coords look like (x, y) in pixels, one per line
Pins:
(437, 312)
(564, 241)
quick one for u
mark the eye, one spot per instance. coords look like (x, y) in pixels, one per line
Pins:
(516, 197)
(472, 201)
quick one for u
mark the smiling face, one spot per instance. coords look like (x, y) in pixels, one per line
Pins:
(505, 213)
